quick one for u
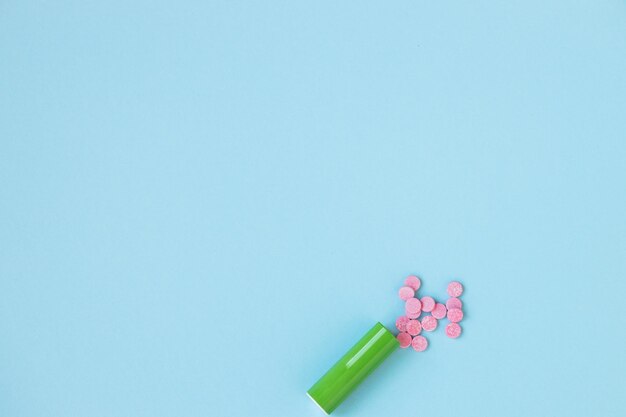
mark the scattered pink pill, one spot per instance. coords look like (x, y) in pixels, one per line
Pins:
(455, 289)
(453, 330)
(413, 305)
(401, 323)
(413, 282)
(412, 315)
(439, 311)
(428, 304)
(454, 302)
(455, 315)
(413, 327)
(420, 343)
(404, 339)
(405, 293)
(429, 323)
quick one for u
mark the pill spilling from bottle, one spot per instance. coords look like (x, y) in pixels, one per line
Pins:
(421, 316)
(410, 328)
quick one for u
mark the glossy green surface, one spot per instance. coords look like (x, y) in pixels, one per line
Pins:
(349, 371)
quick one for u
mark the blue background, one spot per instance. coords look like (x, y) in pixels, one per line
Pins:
(204, 204)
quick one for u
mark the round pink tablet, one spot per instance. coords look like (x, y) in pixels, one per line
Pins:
(413, 305)
(401, 323)
(428, 304)
(412, 315)
(454, 302)
(405, 293)
(453, 330)
(404, 339)
(455, 315)
(413, 282)
(429, 323)
(455, 289)
(413, 327)
(439, 311)
(420, 343)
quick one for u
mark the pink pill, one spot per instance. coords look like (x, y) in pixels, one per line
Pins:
(455, 289)
(413, 315)
(405, 293)
(413, 327)
(453, 330)
(420, 343)
(413, 305)
(428, 304)
(455, 315)
(401, 323)
(413, 282)
(429, 323)
(439, 311)
(454, 302)
(404, 339)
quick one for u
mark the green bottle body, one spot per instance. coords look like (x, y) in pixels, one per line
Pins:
(353, 367)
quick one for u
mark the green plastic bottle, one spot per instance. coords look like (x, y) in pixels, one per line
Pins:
(353, 367)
